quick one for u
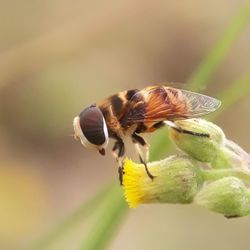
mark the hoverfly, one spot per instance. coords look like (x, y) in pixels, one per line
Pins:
(133, 112)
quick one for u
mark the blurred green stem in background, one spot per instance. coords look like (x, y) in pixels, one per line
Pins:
(108, 221)
(232, 95)
(102, 232)
(208, 67)
(76, 217)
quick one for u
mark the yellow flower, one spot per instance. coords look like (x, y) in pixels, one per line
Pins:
(177, 180)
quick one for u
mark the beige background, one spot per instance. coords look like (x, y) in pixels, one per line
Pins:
(58, 56)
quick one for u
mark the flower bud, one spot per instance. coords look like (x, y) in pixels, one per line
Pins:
(177, 180)
(228, 196)
(200, 147)
(213, 148)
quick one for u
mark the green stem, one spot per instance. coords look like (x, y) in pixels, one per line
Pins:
(109, 220)
(212, 175)
(233, 94)
(161, 145)
(76, 217)
(208, 67)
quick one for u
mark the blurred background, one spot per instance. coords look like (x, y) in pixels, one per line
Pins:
(56, 57)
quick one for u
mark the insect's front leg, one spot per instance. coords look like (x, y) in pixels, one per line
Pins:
(143, 156)
(118, 153)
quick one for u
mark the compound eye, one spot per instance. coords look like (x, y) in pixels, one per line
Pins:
(93, 126)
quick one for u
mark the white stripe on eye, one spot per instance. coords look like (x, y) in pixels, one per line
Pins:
(80, 135)
(105, 129)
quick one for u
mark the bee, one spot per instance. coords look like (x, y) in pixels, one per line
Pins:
(133, 112)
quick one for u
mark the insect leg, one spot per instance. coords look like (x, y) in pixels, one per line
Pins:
(139, 141)
(118, 153)
(184, 131)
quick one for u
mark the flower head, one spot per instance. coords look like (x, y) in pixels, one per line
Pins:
(201, 148)
(177, 180)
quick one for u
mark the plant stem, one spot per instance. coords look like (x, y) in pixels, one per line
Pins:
(109, 220)
(233, 94)
(76, 217)
(212, 175)
(208, 67)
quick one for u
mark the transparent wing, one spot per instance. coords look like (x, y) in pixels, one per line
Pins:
(199, 104)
